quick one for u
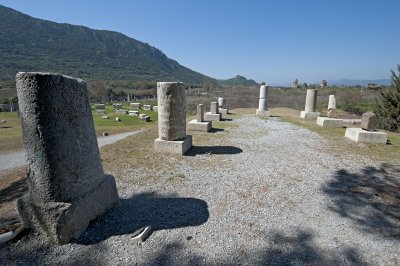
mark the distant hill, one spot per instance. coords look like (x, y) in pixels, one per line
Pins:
(31, 44)
(237, 81)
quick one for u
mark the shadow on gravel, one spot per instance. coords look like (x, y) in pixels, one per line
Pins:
(217, 150)
(143, 210)
(14, 190)
(283, 249)
(371, 198)
(215, 130)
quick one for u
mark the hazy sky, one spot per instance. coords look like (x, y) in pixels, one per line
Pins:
(271, 40)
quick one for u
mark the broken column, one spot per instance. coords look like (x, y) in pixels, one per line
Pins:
(262, 110)
(67, 184)
(222, 107)
(331, 106)
(199, 124)
(213, 115)
(172, 136)
(367, 133)
(311, 102)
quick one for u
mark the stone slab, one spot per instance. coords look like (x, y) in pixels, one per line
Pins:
(64, 221)
(199, 126)
(329, 122)
(309, 115)
(263, 113)
(173, 146)
(212, 117)
(223, 111)
(360, 135)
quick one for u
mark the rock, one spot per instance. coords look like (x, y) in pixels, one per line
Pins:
(3, 121)
(105, 117)
(142, 234)
(117, 119)
(105, 134)
(368, 121)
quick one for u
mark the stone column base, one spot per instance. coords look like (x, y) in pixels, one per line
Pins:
(329, 122)
(212, 117)
(360, 135)
(173, 146)
(263, 113)
(64, 221)
(309, 115)
(199, 126)
(223, 111)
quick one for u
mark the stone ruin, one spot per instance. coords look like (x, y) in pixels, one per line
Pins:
(367, 133)
(262, 110)
(214, 114)
(147, 107)
(172, 136)
(324, 83)
(199, 124)
(332, 106)
(222, 107)
(117, 105)
(135, 106)
(311, 102)
(67, 184)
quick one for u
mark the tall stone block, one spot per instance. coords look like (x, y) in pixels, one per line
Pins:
(262, 110)
(222, 102)
(311, 100)
(200, 113)
(214, 108)
(332, 102)
(171, 110)
(67, 184)
(172, 136)
(368, 121)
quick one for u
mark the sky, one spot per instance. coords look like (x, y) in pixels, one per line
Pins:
(274, 41)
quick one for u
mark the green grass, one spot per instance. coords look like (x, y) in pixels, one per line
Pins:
(389, 153)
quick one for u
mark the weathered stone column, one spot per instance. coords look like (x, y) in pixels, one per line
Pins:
(214, 114)
(222, 107)
(214, 108)
(311, 102)
(262, 110)
(199, 124)
(332, 102)
(200, 113)
(172, 136)
(67, 185)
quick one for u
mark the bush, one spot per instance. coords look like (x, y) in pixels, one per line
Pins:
(388, 107)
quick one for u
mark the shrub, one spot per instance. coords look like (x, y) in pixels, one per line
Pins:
(388, 107)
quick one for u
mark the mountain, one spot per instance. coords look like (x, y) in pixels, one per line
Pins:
(237, 81)
(31, 44)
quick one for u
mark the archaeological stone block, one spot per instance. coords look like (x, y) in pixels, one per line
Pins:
(222, 103)
(212, 117)
(147, 107)
(67, 184)
(368, 121)
(311, 100)
(200, 113)
(332, 102)
(360, 135)
(214, 107)
(262, 110)
(309, 115)
(172, 136)
(171, 110)
(329, 122)
(195, 125)
(135, 106)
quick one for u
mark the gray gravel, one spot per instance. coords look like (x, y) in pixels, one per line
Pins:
(15, 159)
(259, 193)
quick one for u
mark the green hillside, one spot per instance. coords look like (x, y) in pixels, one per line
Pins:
(238, 81)
(30, 44)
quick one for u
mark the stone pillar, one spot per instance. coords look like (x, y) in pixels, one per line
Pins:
(67, 185)
(368, 121)
(200, 113)
(172, 136)
(222, 102)
(214, 108)
(262, 110)
(311, 102)
(332, 102)
(171, 110)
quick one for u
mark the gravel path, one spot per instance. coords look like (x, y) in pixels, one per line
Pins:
(17, 158)
(259, 192)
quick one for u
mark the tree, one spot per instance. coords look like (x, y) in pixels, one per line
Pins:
(388, 107)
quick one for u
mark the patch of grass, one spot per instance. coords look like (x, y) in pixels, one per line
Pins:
(10, 132)
(340, 145)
